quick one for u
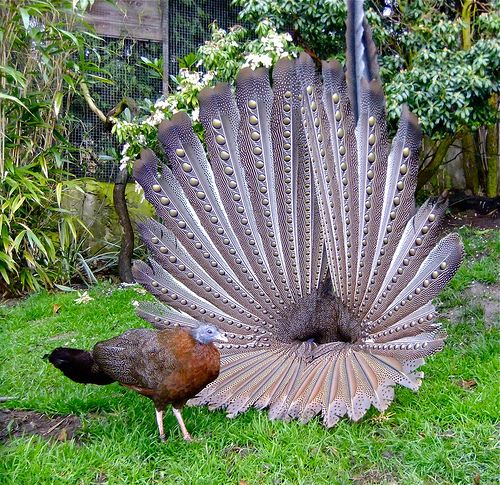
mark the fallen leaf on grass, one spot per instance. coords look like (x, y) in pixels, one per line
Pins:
(56, 308)
(449, 433)
(242, 451)
(380, 418)
(63, 435)
(467, 384)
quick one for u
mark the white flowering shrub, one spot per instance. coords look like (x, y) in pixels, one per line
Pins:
(219, 59)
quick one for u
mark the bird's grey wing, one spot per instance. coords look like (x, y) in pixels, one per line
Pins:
(135, 358)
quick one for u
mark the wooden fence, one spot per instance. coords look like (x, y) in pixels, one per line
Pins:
(135, 19)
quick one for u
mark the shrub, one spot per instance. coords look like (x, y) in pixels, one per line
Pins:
(38, 76)
(219, 59)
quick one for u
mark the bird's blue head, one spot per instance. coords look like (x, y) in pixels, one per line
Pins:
(208, 333)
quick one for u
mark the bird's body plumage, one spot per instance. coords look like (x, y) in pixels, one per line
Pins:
(168, 366)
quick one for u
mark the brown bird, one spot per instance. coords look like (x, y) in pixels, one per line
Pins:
(168, 366)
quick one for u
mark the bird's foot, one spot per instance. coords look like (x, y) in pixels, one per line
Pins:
(187, 437)
(162, 438)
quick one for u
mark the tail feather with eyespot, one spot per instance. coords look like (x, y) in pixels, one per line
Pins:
(293, 228)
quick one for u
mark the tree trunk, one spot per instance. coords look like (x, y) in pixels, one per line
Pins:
(119, 200)
(127, 245)
(492, 155)
(470, 162)
(432, 167)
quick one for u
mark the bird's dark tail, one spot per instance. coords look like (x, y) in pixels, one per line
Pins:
(78, 365)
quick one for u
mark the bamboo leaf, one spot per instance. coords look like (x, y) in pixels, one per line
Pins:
(25, 16)
(18, 239)
(58, 99)
(35, 242)
(59, 193)
(14, 99)
(4, 274)
(18, 202)
(64, 288)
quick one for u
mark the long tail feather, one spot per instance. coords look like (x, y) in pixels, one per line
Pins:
(297, 235)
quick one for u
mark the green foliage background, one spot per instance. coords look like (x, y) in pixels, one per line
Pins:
(42, 66)
(423, 60)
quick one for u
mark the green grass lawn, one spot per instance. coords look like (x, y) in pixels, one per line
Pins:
(445, 433)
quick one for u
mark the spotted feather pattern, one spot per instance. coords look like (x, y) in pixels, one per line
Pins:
(293, 228)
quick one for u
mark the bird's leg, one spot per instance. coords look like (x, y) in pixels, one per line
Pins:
(159, 420)
(178, 415)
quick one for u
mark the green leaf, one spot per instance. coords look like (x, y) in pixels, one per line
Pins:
(25, 16)
(59, 193)
(17, 76)
(14, 99)
(4, 274)
(18, 239)
(58, 99)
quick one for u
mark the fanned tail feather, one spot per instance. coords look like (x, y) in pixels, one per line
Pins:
(296, 233)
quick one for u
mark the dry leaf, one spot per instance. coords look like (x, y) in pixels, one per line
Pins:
(467, 384)
(63, 435)
(383, 416)
(243, 482)
(449, 433)
(55, 308)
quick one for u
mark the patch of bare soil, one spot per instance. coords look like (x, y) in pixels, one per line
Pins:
(488, 296)
(373, 477)
(485, 296)
(471, 218)
(15, 423)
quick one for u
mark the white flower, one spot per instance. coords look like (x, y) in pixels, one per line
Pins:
(207, 77)
(189, 77)
(83, 298)
(161, 104)
(141, 139)
(267, 60)
(125, 148)
(123, 162)
(158, 116)
(135, 303)
(256, 60)
(155, 118)
(195, 115)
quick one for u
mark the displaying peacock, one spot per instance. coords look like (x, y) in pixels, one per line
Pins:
(297, 235)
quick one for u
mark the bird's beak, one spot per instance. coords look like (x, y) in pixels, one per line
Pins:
(222, 338)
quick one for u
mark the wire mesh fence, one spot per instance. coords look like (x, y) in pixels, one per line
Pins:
(120, 60)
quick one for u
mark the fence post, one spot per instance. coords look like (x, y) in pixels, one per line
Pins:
(165, 10)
